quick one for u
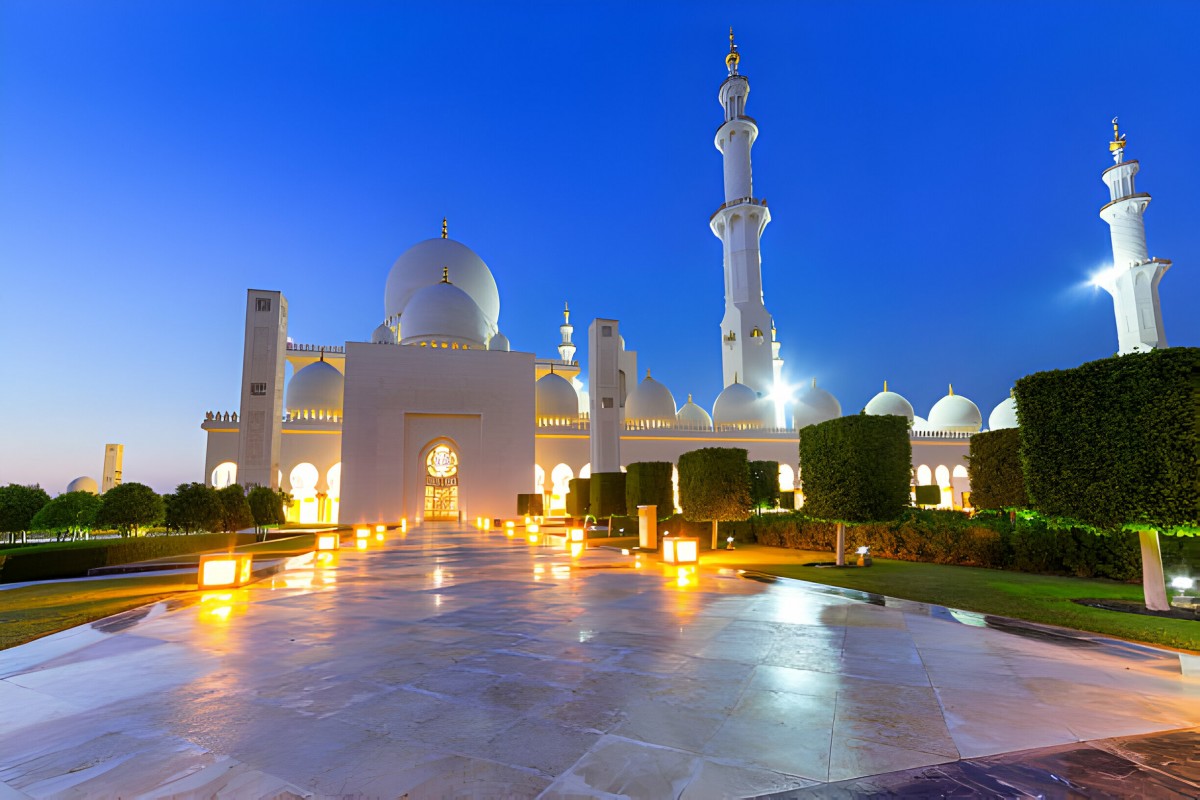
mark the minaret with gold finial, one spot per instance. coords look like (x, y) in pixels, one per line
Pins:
(1133, 279)
(566, 350)
(749, 347)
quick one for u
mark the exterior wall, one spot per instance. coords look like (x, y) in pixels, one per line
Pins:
(222, 447)
(604, 394)
(114, 457)
(950, 454)
(402, 401)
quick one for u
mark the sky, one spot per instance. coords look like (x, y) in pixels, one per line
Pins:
(932, 169)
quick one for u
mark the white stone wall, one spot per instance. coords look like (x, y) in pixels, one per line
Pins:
(401, 401)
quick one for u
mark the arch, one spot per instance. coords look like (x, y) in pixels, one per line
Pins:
(303, 480)
(586, 470)
(439, 464)
(959, 472)
(924, 475)
(787, 478)
(942, 475)
(559, 476)
(223, 475)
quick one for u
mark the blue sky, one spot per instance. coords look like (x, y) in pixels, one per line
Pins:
(933, 171)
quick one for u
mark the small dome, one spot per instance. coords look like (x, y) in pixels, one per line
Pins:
(318, 387)
(499, 342)
(920, 423)
(84, 484)
(555, 399)
(693, 416)
(889, 404)
(421, 266)
(813, 406)
(443, 314)
(955, 413)
(650, 402)
(1003, 415)
(383, 335)
(738, 406)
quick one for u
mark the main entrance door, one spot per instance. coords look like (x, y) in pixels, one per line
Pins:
(441, 484)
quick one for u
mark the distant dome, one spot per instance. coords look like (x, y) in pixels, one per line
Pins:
(383, 335)
(84, 484)
(317, 387)
(814, 405)
(499, 342)
(693, 416)
(555, 399)
(650, 402)
(1003, 415)
(443, 314)
(738, 406)
(421, 266)
(920, 423)
(955, 413)
(889, 404)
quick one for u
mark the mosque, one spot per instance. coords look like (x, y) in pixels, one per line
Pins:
(436, 417)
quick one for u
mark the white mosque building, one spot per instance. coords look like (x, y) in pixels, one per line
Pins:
(437, 418)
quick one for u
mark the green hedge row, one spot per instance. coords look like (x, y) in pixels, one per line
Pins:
(994, 467)
(949, 537)
(74, 559)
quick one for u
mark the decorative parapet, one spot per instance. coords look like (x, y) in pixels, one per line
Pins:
(296, 347)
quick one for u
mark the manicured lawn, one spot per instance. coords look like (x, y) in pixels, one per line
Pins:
(1037, 598)
(31, 612)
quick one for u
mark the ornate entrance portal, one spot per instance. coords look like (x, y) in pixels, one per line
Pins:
(441, 484)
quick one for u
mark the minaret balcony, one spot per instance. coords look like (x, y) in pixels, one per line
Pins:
(741, 201)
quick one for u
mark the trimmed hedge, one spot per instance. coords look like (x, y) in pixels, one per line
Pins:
(994, 468)
(1115, 442)
(649, 483)
(714, 484)
(987, 540)
(579, 496)
(857, 468)
(530, 505)
(607, 494)
(74, 559)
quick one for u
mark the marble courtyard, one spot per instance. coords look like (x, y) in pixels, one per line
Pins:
(451, 663)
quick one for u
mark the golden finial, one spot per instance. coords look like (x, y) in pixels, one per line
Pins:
(566, 313)
(814, 383)
(689, 397)
(445, 234)
(731, 60)
(445, 274)
(885, 384)
(1117, 145)
(952, 390)
(735, 380)
(647, 374)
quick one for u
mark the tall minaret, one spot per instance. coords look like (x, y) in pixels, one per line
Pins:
(566, 350)
(1133, 279)
(748, 350)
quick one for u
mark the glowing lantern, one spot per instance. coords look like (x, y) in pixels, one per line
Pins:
(533, 538)
(380, 528)
(510, 524)
(576, 549)
(681, 550)
(576, 534)
(224, 569)
(362, 533)
(328, 541)
(532, 528)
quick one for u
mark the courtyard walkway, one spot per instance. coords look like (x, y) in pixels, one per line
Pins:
(451, 663)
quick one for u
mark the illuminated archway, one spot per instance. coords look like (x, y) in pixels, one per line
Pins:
(224, 474)
(787, 478)
(334, 479)
(303, 479)
(924, 475)
(539, 479)
(559, 477)
(586, 470)
(942, 474)
(441, 483)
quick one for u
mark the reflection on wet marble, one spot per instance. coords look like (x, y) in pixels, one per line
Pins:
(448, 663)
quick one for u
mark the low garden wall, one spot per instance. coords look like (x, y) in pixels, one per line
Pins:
(74, 559)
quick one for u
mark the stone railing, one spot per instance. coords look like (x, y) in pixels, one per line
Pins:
(295, 347)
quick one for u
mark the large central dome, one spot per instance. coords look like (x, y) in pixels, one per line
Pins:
(421, 265)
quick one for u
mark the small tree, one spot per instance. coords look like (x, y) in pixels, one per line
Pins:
(131, 507)
(235, 510)
(1115, 445)
(714, 486)
(70, 513)
(764, 484)
(18, 505)
(266, 507)
(994, 468)
(193, 507)
(607, 495)
(855, 469)
(648, 483)
(579, 497)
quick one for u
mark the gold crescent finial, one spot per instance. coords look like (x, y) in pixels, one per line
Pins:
(566, 313)
(885, 384)
(1118, 141)
(445, 274)
(445, 234)
(731, 60)
(952, 390)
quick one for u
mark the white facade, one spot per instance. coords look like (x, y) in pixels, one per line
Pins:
(262, 389)
(1133, 279)
(114, 457)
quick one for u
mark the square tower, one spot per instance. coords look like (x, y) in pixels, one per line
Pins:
(261, 415)
(604, 394)
(114, 455)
